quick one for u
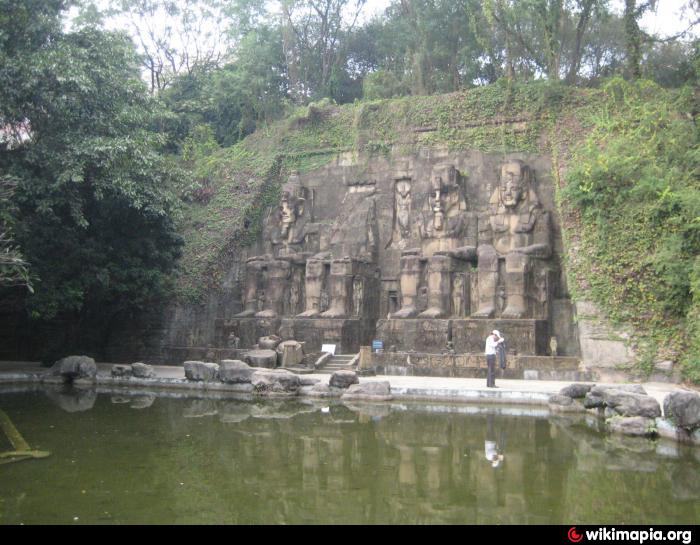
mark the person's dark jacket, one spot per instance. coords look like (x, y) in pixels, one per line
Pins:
(501, 353)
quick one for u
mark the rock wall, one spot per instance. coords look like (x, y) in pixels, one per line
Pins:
(371, 210)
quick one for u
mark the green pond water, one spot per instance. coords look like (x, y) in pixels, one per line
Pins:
(125, 458)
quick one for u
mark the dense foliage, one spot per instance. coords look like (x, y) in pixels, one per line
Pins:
(93, 211)
(636, 182)
(275, 55)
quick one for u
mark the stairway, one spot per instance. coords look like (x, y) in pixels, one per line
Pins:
(337, 363)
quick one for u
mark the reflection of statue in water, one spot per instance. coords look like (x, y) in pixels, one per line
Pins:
(517, 230)
(446, 227)
(286, 231)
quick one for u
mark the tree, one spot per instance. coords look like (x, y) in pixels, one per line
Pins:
(543, 37)
(93, 212)
(238, 97)
(175, 37)
(313, 32)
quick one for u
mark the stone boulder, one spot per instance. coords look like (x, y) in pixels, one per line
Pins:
(321, 390)
(595, 397)
(370, 391)
(631, 388)
(343, 379)
(592, 401)
(269, 343)
(566, 404)
(142, 370)
(290, 353)
(75, 367)
(576, 391)
(275, 381)
(684, 409)
(632, 425)
(201, 372)
(235, 372)
(121, 371)
(261, 358)
(626, 403)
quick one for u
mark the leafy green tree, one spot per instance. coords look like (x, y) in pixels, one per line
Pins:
(237, 98)
(94, 212)
(313, 33)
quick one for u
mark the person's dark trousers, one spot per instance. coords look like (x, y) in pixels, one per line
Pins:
(491, 373)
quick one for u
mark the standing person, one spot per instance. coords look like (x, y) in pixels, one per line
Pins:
(492, 342)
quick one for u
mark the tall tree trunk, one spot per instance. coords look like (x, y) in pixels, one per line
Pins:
(586, 9)
(633, 40)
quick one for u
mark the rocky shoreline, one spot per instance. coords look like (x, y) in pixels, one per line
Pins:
(625, 409)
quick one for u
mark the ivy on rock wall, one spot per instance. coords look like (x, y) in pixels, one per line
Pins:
(635, 182)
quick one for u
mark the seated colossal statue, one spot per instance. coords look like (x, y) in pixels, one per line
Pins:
(336, 277)
(514, 232)
(272, 284)
(448, 236)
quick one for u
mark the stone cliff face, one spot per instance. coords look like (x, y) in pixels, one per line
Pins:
(352, 243)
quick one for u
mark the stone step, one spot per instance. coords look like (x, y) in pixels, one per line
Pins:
(339, 362)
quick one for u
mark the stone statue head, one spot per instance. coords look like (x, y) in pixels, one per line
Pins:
(446, 198)
(403, 187)
(442, 180)
(292, 205)
(291, 208)
(514, 180)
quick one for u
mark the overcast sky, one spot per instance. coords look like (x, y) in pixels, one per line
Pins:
(666, 20)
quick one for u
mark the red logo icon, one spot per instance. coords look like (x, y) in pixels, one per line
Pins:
(574, 536)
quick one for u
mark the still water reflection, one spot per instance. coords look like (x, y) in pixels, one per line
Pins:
(124, 458)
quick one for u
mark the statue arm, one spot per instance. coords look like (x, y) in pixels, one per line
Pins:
(485, 234)
(542, 247)
(467, 253)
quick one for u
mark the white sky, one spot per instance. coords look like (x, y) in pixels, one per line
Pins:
(668, 19)
(665, 21)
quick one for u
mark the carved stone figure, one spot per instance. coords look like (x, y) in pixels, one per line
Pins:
(287, 227)
(233, 341)
(542, 291)
(295, 290)
(553, 346)
(357, 296)
(516, 231)
(446, 227)
(501, 298)
(353, 248)
(458, 296)
(402, 213)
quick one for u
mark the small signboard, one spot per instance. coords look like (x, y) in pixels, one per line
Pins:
(377, 345)
(330, 348)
